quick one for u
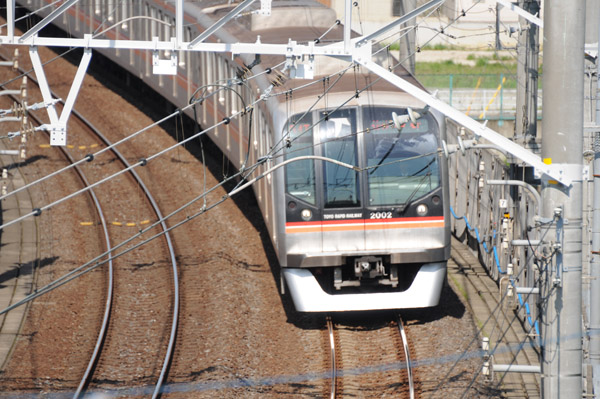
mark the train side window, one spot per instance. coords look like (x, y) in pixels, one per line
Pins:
(300, 175)
(209, 70)
(338, 135)
(401, 164)
(110, 10)
(77, 20)
(153, 32)
(147, 23)
(125, 14)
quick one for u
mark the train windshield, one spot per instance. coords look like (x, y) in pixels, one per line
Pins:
(401, 164)
(398, 165)
(300, 176)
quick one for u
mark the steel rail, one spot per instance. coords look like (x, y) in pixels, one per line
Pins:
(159, 215)
(110, 286)
(19, 277)
(411, 385)
(332, 357)
(109, 295)
(175, 316)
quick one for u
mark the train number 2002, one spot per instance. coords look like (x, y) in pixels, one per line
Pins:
(381, 215)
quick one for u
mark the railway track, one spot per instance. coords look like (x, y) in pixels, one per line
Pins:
(20, 253)
(369, 360)
(100, 361)
(233, 311)
(508, 340)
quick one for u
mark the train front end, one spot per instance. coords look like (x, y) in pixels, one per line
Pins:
(373, 237)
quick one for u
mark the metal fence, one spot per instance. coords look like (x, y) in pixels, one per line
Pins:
(493, 220)
(485, 97)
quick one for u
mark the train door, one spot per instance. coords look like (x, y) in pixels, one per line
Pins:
(343, 219)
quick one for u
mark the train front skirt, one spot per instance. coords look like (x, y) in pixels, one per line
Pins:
(308, 296)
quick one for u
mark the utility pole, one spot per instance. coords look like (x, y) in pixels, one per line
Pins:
(407, 44)
(528, 49)
(593, 333)
(562, 145)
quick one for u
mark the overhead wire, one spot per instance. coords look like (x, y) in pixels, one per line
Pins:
(498, 308)
(112, 254)
(274, 150)
(90, 157)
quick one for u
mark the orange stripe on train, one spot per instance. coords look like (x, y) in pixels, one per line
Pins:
(364, 224)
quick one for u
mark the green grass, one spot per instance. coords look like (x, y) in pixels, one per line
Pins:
(483, 65)
(488, 71)
(396, 46)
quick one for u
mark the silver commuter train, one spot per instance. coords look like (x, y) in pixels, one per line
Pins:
(375, 237)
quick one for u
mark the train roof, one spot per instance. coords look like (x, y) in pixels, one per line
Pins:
(302, 21)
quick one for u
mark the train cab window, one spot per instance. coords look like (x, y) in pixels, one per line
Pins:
(300, 175)
(401, 163)
(337, 134)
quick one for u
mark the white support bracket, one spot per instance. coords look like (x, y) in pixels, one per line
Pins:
(10, 19)
(217, 25)
(531, 18)
(58, 126)
(164, 66)
(51, 17)
(555, 171)
(265, 8)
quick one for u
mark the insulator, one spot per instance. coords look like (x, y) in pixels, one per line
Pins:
(4, 189)
(509, 269)
(505, 244)
(485, 344)
(5, 173)
(485, 370)
(510, 291)
(24, 88)
(23, 138)
(23, 153)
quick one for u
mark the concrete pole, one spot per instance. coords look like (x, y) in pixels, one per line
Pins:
(594, 327)
(407, 44)
(562, 143)
(527, 77)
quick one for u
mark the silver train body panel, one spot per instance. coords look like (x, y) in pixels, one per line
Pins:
(334, 236)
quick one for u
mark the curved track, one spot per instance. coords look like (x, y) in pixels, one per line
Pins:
(104, 329)
(19, 262)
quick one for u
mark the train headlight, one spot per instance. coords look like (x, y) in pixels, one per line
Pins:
(306, 214)
(422, 210)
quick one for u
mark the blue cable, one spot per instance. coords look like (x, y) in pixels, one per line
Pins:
(528, 312)
(497, 260)
(480, 241)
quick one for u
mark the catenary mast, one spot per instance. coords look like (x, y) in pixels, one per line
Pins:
(562, 143)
